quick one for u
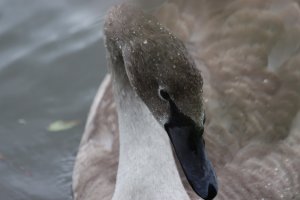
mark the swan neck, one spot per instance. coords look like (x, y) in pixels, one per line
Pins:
(147, 168)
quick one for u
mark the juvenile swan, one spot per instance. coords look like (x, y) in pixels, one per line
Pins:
(158, 91)
(249, 56)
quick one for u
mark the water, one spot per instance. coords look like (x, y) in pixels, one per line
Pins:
(52, 61)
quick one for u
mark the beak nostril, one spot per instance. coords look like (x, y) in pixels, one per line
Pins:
(212, 192)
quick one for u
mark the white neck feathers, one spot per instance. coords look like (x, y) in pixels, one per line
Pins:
(147, 169)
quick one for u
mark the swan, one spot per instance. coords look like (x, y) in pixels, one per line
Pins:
(248, 55)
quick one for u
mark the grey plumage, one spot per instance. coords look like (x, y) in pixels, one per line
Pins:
(248, 53)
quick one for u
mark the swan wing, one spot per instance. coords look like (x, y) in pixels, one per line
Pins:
(95, 170)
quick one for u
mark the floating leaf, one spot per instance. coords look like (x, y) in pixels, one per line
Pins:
(62, 125)
(22, 121)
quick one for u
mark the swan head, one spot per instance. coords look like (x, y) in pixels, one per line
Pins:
(162, 73)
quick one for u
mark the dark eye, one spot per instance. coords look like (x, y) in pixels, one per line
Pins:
(204, 119)
(164, 95)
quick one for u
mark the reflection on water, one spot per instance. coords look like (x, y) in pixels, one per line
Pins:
(51, 63)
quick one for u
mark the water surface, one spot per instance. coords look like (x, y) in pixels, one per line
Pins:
(52, 61)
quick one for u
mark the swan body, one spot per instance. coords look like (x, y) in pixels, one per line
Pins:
(148, 6)
(248, 53)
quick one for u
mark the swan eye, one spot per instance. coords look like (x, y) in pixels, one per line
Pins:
(164, 95)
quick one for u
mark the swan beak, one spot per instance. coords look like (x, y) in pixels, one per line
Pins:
(189, 147)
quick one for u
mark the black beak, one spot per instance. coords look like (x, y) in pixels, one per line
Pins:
(189, 146)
